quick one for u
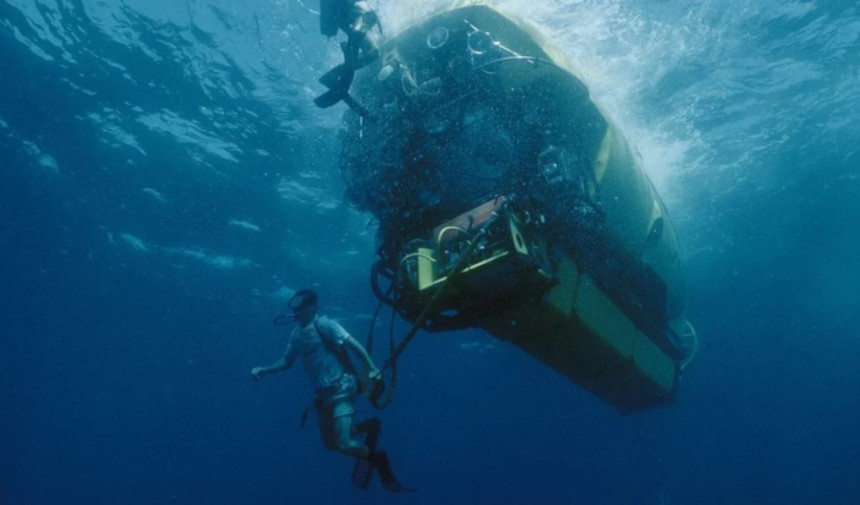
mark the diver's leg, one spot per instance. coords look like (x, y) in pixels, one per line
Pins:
(352, 49)
(360, 49)
(343, 435)
(368, 426)
(362, 46)
(368, 50)
(327, 429)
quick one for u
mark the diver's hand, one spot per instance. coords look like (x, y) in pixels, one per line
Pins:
(257, 373)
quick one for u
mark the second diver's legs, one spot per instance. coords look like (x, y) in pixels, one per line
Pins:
(361, 48)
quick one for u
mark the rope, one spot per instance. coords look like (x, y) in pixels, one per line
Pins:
(381, 401)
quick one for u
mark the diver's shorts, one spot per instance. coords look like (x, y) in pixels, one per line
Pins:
(338, 398)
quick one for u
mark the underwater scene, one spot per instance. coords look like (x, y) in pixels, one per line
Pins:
(376, 252)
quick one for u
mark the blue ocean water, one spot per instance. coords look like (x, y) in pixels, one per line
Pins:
(167, 182)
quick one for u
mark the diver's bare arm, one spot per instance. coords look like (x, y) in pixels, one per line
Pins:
(276, 367)
(362, 353)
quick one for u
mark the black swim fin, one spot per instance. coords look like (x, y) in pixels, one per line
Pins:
(362, 472)
(386, 476)
(337, 80)
(338, 76)
(328, 99)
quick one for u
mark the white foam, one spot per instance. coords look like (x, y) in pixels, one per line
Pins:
(154, 193)
(243, 224)
(134, 242)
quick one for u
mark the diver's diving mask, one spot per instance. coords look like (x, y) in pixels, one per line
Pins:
(298, 303)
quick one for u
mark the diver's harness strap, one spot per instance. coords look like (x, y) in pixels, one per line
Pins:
(376, 396)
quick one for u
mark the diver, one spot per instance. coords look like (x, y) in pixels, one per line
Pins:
(321, 344)
(356, 19)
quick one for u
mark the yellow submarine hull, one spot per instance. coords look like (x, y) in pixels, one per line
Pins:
(608, 302)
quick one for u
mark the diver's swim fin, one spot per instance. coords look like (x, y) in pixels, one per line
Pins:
(362, 472)
(338, 76)
(379, 459)
(337, 80)
(376, 461)
(328, 99)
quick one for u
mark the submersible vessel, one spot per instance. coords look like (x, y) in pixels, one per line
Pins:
(508, 201)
